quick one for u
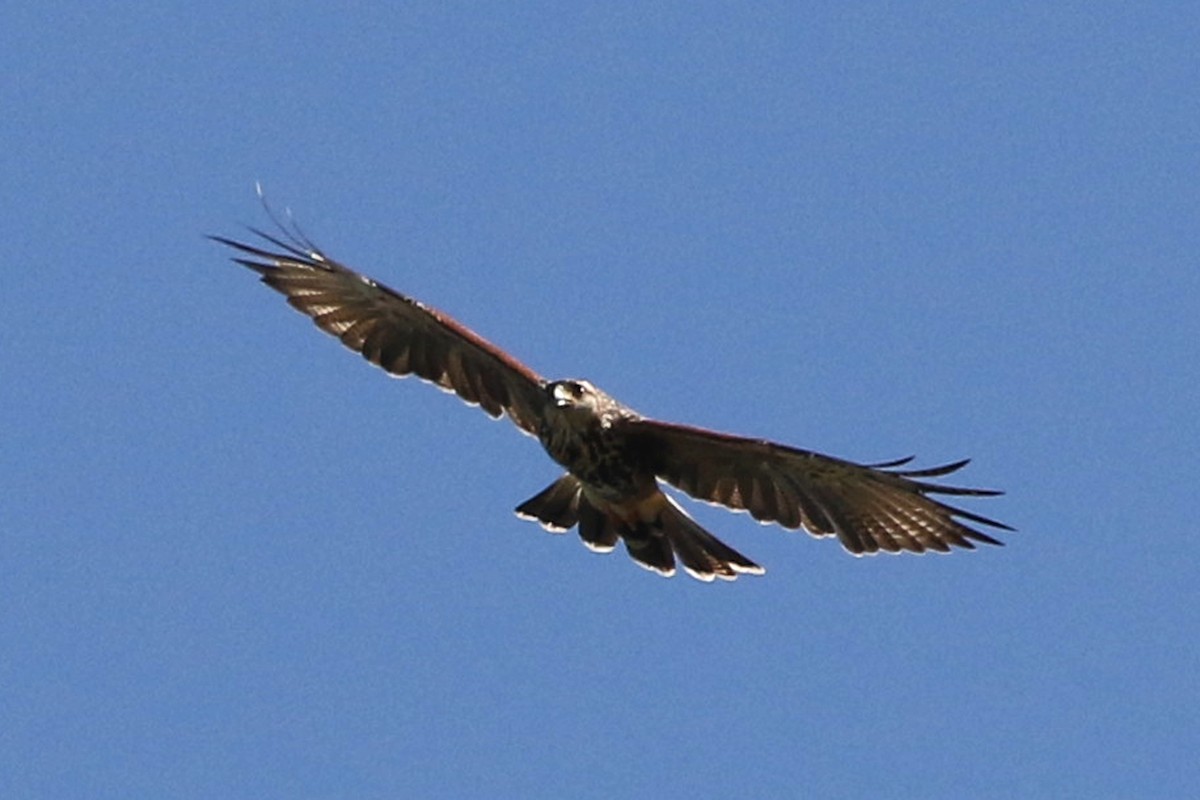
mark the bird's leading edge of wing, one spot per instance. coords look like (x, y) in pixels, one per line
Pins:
(393, 331)
(868, 507)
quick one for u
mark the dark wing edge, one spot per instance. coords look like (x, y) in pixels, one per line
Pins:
(393, 331)
(869, 507)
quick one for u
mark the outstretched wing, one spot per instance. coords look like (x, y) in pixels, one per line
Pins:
(868, 507)
(401, 335)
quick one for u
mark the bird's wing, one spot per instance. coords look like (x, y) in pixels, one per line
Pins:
(399, 334)
(868, 507)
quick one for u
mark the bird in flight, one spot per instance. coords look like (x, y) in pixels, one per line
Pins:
(615, 458)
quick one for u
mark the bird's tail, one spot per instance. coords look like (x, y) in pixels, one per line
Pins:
(703, 555)
(556, 507)
(663, 533)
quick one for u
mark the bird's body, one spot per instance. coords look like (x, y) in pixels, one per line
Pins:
(616, 459)
(585, 431)
(610, 489)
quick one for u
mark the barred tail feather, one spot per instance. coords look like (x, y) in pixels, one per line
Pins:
(598, 530)
(703, 555)
(654, 543)
(648, 547)
(556, 507)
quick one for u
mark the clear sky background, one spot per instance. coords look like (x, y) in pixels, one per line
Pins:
(236, 561)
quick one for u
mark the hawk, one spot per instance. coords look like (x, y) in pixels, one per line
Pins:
(615, 458)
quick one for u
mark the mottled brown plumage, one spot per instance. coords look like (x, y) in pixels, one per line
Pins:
(615, 457)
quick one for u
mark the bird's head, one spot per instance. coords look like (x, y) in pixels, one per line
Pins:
(581, 403)
(573, 394)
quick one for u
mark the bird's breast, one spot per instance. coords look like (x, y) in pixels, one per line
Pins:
(599, 456)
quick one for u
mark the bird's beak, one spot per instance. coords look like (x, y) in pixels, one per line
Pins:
(560, 396)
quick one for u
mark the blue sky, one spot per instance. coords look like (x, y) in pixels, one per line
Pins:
(236, 561)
